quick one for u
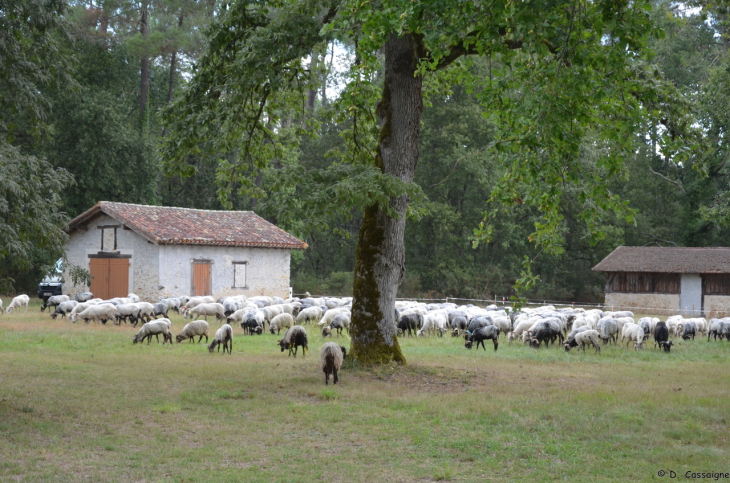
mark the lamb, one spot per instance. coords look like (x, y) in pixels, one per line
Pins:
(156, 327)
(482, 334)
(224, 337)
(54, 301)
(582, 339)
(19, 301)
(62, 309)
(206, 309)
(191, 329)
(661, 334)
(331, 357)
(281, 321)
(99, 312)
(293, 339)
(633, 332)
(83, 297)
(310, 314)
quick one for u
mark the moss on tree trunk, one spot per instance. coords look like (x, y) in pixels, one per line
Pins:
(380, 257)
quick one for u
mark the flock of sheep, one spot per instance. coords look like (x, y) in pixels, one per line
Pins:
(251, 313)
(571, 327)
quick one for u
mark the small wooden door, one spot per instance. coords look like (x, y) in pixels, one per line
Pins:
(99, 269)
(110, 277)
(201, 279)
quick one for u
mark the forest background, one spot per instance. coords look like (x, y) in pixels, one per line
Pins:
(81, 102)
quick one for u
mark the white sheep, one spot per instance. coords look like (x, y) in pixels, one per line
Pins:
(146, 311)
(133, 297)
(329, 316)
(223, 337)
(582, 339)
(193, 302)
(309, 314)
(435, 320)
(207, 309)
(633, 332)
(156, 327)
(99, 312)
(191, 329)
(331, 357)
(19, 301)
(281, 321)
(64, 308)
(1, 307)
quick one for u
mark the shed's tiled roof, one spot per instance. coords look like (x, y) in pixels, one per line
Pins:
(666, 260)
(166, 225)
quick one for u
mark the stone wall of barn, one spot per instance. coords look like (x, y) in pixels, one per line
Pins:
(717, 306)
(143, 264)
(258, 271)
(643, 303)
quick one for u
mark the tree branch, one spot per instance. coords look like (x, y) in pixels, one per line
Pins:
(670, 180)
(657, 238)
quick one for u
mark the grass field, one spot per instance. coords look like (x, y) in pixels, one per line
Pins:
(81, 403)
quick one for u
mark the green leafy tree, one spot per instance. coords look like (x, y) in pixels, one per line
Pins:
(557, 72)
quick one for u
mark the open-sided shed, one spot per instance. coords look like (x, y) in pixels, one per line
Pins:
(158, 251)
(673, 279)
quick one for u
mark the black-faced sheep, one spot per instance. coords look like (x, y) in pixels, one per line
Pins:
(54, 301)
(661, 333)
(546, 331)
(666, 345)
(482, 334)
(293, 339)
(64, 308)
(689, 330)
(331, 357)
(223, 337)
(410, 322)
(583, 338)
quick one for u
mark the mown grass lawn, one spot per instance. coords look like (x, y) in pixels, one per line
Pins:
(81, 403)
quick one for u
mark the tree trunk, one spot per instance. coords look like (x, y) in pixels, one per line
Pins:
(380, 258)
(145, 67)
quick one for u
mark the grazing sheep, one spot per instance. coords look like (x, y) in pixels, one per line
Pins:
(482, 334)
(331, 357)
(341, 321)
(252, 321)
(410, 322)
(54, 301)
(83, 297)
(608, 328)
(310, 314)
(689, 330)
(206, 309)
(191, 329)
(172, 303)
(293, 339)
(326, 331)
(661, 334)
(156, 327)
(459, 323)
(160, 309)
(633, 333)
(582, 339)
(224, 337)
(99, 312)
(546, 331)
(62, 309)
(127, 313)
(19, 301)
(435, 320)
(281, 321)
(193, 302)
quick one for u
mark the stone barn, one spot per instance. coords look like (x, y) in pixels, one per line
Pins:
(158, 251)
(690, 281)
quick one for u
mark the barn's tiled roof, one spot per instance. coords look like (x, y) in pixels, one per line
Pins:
(666, 260)
(166, 225)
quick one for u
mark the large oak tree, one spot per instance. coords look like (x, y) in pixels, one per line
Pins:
(558, 71)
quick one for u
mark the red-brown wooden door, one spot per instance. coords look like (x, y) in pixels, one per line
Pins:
(201, 279)
(110, 277)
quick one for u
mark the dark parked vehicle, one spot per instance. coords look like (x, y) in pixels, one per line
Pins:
(51, 285)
